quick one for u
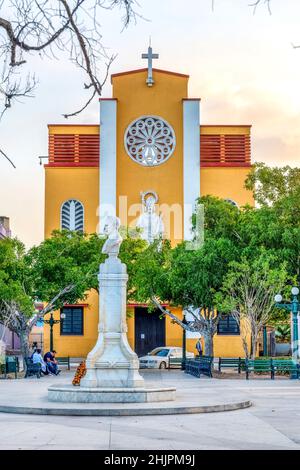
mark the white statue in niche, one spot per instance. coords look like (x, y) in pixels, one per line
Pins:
(111, 246)
(149, 222)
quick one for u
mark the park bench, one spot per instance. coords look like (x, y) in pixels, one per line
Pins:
(272, 366)
(199, 365)
(175, 362)
(32, 369)
(11, 366)
(64, 361)
(290, 366)
(259, 366)
(231, 363)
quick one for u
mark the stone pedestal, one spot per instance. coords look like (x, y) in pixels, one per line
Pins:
(112, 363)
(69, 394)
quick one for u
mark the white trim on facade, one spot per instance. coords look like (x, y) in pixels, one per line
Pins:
(108, 160)
(191, 162)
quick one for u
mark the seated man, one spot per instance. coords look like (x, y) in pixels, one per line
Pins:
(51, 362)
(37, 359)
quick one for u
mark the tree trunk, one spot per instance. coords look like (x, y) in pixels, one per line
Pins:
(245, 347)
(208, 343)
(24, 340)
(254, 340)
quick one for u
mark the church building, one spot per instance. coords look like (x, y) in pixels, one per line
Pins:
(147, 160)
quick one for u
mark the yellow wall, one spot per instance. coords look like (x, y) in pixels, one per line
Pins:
(62, 184)
(134, 99)
(164, 99)
(130, 325)
(224, 130)
(227, 183)
(73, 129)
(77, 345)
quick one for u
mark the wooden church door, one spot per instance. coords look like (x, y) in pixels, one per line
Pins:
(150, 330)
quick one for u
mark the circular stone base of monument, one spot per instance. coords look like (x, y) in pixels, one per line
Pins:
(30, 396)
(70, 394)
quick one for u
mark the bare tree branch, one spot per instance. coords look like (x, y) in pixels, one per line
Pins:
(48, 28)
(260, 2)
(5, 156)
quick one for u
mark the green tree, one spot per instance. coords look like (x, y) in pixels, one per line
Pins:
(248, 293)
(220, 218)
(262, 242)
(270, 184)
(62, 269)
(185, 278)
(283, 333)
(16, 288)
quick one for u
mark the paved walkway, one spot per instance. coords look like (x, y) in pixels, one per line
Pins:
(271, 423)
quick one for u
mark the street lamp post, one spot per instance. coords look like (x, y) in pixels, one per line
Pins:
(292, 307)
(265, 341)
(51, 322)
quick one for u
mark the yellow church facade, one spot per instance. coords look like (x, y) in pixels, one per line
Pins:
(149, 145)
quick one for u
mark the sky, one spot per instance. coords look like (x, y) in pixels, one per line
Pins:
(242, 66)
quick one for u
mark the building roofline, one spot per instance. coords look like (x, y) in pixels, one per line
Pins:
(128, 72)
(72, 125)
(225, 125)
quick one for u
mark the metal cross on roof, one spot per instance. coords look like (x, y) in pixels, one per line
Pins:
(150, 56)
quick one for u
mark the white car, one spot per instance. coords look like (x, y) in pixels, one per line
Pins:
(159, 358)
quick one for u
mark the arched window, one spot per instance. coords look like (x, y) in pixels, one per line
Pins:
(72, 215)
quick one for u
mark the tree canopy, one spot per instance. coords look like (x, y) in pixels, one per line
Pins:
(271, 184)
(62, 269)
(254, 250)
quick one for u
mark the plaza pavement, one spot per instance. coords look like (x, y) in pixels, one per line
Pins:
(271, 423)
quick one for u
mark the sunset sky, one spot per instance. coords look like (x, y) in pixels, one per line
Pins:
(242, 66)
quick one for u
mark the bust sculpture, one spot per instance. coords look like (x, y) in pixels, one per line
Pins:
(112, 244)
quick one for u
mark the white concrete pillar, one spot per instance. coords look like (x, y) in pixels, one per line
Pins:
(191, 161)
(108, 159)
(112, 363)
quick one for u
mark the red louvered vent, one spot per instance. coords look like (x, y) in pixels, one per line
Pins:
(61, 148)
(88, 148)
(237, 149)
(210, 147)
(222, 150)
(74, 149)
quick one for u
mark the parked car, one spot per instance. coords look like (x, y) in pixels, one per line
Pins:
(159, 358)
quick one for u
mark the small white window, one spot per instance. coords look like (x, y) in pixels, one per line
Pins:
(72, 215)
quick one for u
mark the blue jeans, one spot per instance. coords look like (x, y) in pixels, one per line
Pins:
(52, 367)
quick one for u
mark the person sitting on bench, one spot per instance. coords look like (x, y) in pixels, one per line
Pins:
(38, 359)
(51, 362)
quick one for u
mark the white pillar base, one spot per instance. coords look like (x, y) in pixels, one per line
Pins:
(112, 363)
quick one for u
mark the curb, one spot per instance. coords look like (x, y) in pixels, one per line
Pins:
(125, 411)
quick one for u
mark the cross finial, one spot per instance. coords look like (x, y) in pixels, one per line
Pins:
(150, 56)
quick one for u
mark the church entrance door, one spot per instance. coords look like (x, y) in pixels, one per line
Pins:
(150, 330)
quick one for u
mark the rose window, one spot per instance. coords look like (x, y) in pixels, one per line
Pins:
(150, 140)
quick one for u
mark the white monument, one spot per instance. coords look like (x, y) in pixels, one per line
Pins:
(112, 366)
(112, 363)
(150, 223)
